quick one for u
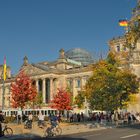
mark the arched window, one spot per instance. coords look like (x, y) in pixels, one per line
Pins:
(118, 48)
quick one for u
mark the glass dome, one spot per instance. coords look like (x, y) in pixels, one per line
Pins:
(80, 55)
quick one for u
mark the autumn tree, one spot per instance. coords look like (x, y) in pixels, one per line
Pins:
(109, 87)
(133, 30)
(62, 100)
(23, 91)
(111, 59)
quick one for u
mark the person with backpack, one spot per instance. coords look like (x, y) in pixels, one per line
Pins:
(54, 120)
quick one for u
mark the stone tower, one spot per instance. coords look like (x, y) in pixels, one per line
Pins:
(129, 58)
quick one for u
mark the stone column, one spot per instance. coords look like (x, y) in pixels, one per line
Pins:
(44, 90)
(73, 88)
(51, 88)
(37, 85)
(9, 96)
(81, 79)
(54, 86)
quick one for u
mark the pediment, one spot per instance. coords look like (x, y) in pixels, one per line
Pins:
(32, 70)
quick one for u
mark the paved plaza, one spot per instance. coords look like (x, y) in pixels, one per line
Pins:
(81, 131)
(67, 129)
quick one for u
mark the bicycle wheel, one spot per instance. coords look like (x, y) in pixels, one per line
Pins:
(8, 131)
(58, 131)
(48, 132)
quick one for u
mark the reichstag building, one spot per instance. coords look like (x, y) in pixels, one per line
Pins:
(71, 69)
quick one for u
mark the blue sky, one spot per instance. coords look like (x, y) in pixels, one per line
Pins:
(40, 28)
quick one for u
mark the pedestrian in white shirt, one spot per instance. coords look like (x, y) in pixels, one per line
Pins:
(41, 120)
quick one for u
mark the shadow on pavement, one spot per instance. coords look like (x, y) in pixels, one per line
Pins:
(20, 136)
(132, 126)
(61, 138)
(36, 137)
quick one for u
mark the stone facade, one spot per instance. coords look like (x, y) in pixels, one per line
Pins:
(49, 76)
(8, 71)
(129, 59)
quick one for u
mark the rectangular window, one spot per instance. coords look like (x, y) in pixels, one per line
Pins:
(78, 83)
(69, 83)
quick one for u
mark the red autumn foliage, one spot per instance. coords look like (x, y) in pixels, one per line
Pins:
(62, 100)
(23, 90)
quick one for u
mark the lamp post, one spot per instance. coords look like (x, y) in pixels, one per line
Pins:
(86, 107)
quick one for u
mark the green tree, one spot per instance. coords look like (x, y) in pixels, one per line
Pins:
(109, 87)
(79, 99)
(69, 90)
(112, 59)
(38, 100)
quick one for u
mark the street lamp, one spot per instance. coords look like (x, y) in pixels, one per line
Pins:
(86, 107)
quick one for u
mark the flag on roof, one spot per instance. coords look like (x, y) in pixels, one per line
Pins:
(123, 22)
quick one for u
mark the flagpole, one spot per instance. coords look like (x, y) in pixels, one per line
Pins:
(3, 94)
(126, 29)
(3, 81)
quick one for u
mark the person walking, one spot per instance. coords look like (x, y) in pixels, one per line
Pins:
(41, 120)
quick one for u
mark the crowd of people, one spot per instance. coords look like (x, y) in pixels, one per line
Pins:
(99, 117)
(54, 120)
(75, 117)
(115, 117)
(103, 117)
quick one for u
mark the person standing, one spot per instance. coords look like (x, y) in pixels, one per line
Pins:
(1, 120)
(30, 119)
(41, 120)
(82, 116)
(78, 117)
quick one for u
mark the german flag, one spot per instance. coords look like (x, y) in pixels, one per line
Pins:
(4, 69)
(123, 22)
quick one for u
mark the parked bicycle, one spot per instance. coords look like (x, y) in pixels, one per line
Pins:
(53, 131)
(7, 131)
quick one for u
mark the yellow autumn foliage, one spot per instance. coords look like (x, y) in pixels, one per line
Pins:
(133, 99)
